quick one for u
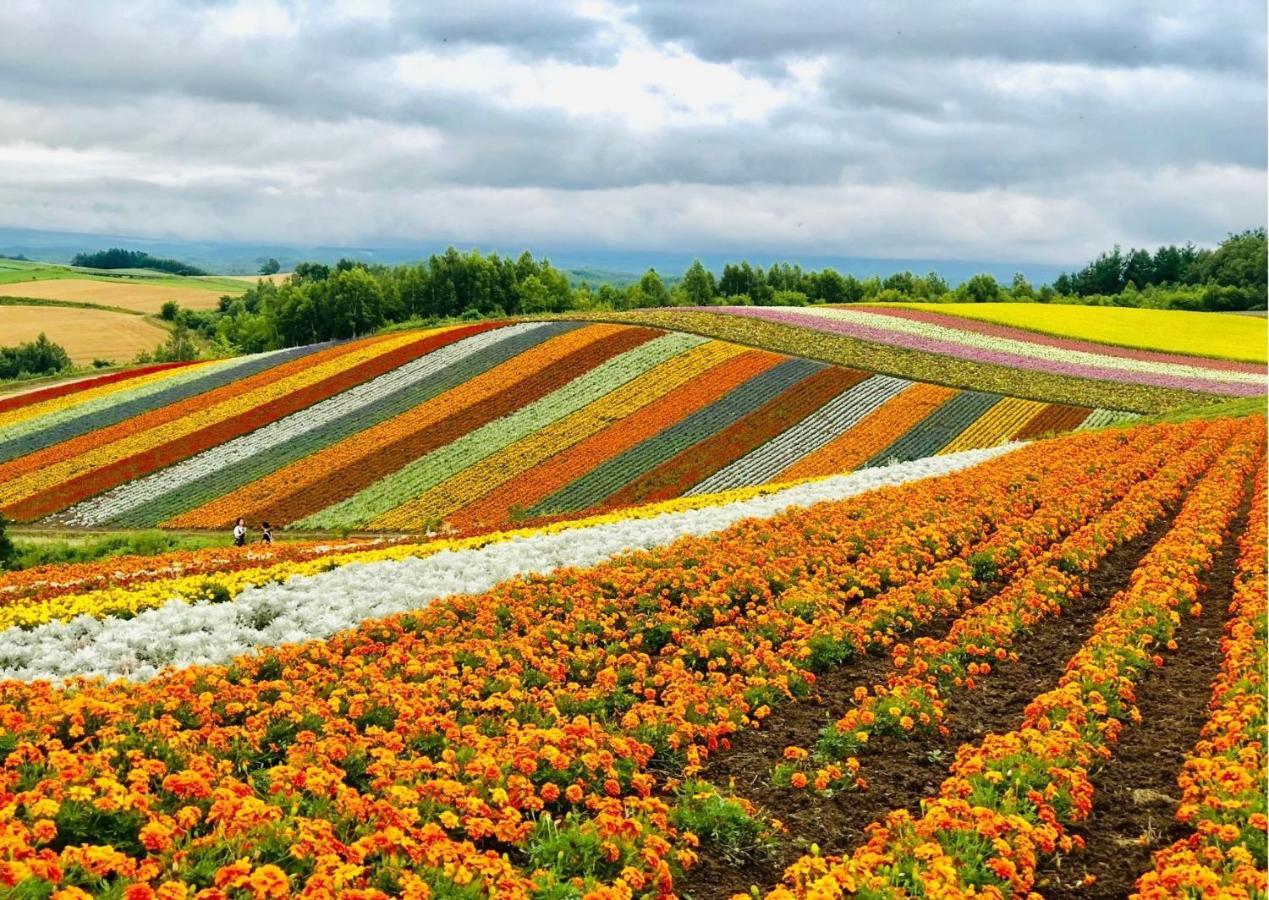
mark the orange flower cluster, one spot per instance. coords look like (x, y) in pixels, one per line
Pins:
(531, 741)
(1223, 782)
(1010, 798)
(912, 702)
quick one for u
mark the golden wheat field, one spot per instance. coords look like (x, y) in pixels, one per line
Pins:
(145, 298)
(87, 334)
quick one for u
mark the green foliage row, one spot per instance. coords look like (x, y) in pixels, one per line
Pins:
(116, 258)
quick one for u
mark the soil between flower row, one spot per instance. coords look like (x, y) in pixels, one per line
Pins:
(1136, 792)
(900, 773)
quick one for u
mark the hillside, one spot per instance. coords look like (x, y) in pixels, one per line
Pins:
(472, 428)
(960, 352)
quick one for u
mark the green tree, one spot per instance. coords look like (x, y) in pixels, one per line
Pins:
(356, 302)
(270, 267)
(168, 311)
(698, 285)
(652, 290)
(980, 288)
(1020, 288)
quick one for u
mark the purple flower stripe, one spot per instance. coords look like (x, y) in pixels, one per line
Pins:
(995, 357)
(991, 329)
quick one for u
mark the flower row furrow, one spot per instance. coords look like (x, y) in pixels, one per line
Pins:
(106, 412)
(595, 486)
(963, 345)
(517, 458)
(68, 479)
(833, 419)
(1011, 798)
(232, 455)
(285, 608)
(525, 740)
(431, 469)
(928, 671)
(1224, 779)
(468, 393)
(1040, 351)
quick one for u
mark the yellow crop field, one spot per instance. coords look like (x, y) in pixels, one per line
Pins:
(87, 334)
(143, 298)
(1168, 330)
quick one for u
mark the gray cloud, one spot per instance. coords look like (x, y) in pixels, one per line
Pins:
(1038, 132)
(1191, 33)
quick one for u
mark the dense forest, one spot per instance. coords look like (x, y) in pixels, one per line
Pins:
(116, 258)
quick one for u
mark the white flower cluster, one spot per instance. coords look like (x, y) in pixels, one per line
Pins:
(317, 606)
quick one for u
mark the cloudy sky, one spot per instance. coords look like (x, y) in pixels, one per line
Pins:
(1028, 131)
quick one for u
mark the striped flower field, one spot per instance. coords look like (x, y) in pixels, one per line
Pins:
(473, 428)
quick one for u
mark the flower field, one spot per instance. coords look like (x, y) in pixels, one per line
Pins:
(709, 694)
(923, 345)
(474, 429)
(1156, 331)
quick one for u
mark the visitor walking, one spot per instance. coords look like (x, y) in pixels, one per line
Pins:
(240, 533)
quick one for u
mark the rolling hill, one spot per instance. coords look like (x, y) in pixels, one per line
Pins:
(920, 343)
(472, 428)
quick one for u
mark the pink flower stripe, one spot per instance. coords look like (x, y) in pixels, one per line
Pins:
(976, 354)
(991, 329)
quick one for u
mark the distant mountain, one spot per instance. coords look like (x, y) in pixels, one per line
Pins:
(590, 265)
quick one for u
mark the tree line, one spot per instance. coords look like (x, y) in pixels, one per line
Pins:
(1231, 277)
(117, 258)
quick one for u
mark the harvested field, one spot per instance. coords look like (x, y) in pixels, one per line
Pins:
(141, 298)
(87, 334)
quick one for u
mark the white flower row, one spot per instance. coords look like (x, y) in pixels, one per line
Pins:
(317, 606)
(835, 417)
(1033, 350)
(129, 496)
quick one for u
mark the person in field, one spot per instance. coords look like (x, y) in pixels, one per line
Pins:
(266, 533)
(240, 533)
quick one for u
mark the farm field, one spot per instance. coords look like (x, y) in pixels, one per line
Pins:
(474, 428)
(135, 297)
(86, 334)
(15, 271)
(946, 350)
(1059, 646)
(1166, 330)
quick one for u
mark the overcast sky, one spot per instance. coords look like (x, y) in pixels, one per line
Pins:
(1028, 131)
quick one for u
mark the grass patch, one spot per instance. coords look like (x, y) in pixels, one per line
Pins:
(38, 550)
